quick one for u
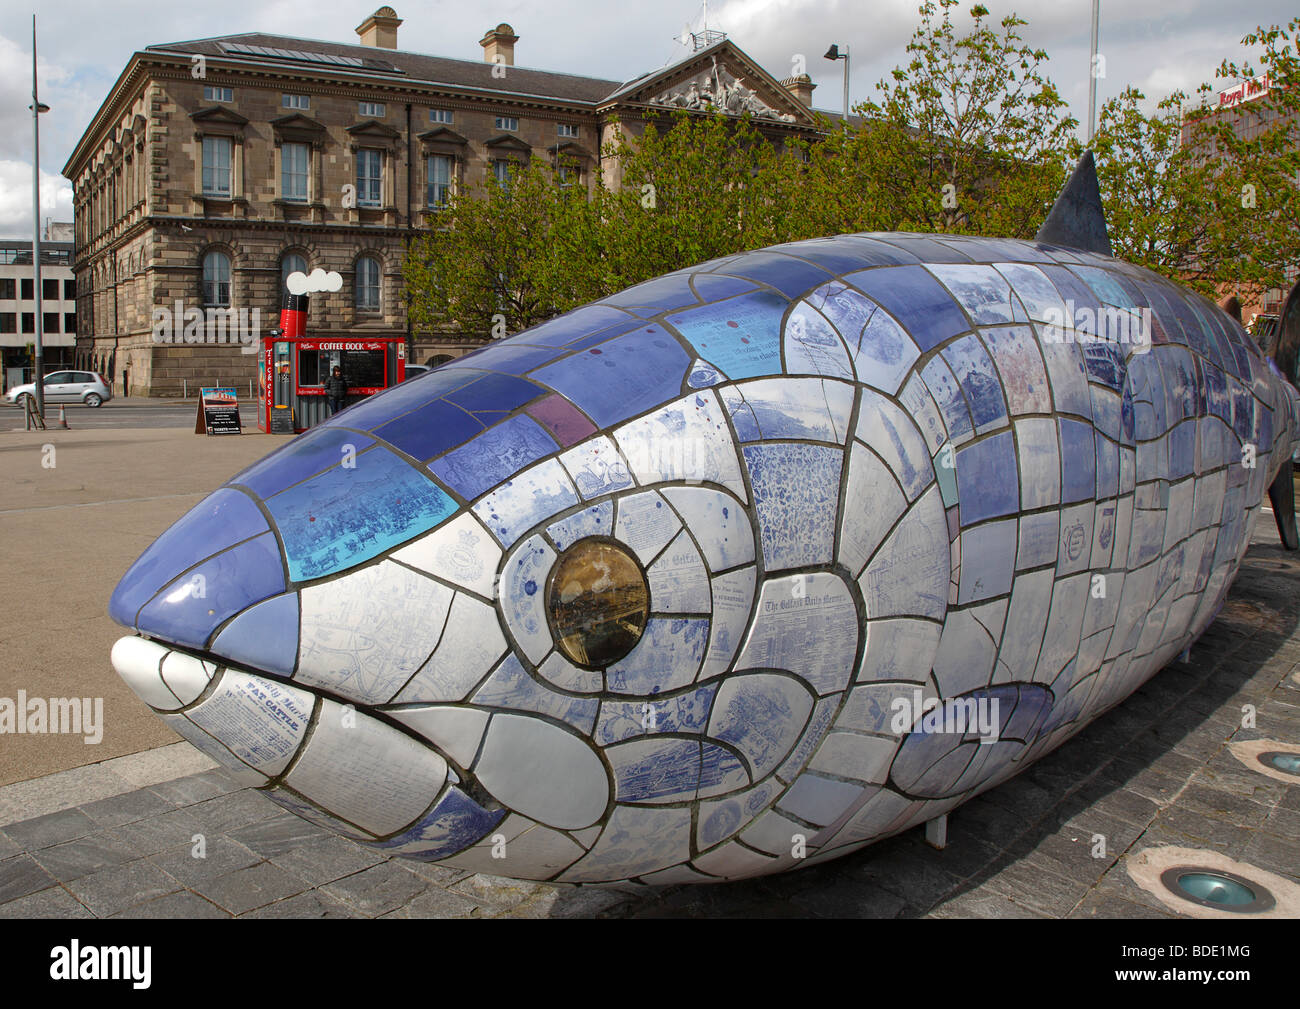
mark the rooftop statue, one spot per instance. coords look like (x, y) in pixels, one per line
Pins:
(734, 571)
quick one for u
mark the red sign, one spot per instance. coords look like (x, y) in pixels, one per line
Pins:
(1244, 92)
(341, 344)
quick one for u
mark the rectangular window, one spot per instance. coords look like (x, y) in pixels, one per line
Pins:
(69, 322)
(29, 322)
(509, 123)
(212, 94)
(369, 177)
(569, 174)
(27, 288)
(50, 322)
(295, 102)
(69, 290)
(439, 180)
(368, 284)
(7, 289)
(49, 290)
(375, 110)
(309, 367)
(293, 172)
(501, 169)
(8, 322)
(566, 130)
(444, 116)
(216, 166)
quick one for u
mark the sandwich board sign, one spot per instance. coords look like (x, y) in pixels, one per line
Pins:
(218, 412)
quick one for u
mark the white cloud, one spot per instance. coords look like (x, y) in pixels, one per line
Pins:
(16, 198)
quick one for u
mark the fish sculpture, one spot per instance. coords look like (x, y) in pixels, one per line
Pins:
(735, 571)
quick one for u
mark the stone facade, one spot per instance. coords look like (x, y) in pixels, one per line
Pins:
(145, 224)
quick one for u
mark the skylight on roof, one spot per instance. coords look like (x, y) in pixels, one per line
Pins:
(305, 56)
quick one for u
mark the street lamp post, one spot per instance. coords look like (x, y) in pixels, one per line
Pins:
(833, 53)
(1092, 74)
(39, 347)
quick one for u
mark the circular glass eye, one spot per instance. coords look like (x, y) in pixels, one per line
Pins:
(598, 603)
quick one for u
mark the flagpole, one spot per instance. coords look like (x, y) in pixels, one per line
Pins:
(39, 354)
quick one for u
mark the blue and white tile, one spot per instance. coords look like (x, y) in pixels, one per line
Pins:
(523, 596)
(596, 468)
(815, 799)
(1064, 624)
(812, 346)
(876, 502)
(981, 290)
(762, 716)
(806, 624)
(542, 771)
(1076, 538)
(721, 772)
(733, 860)
(679, 582)
(880, 709)
(733, 599)
(525, 500)
(558, 671)
(885, 354)
(186, 676)
(1038, 294)
(262, 722)
(684, 712)
(455, 823)
(593, 520)
(512, 688)
(893, 435)
(645, 523)
(471, 645)
(365, 634)
(461, 552)
(808, 409)
(901, 648)
(819, 723)
(721, 818)
(636, 841)
(853, 755)
(796, 496)
(688, 440)
(657, 769)
(968, 648)
(920, 405)
(455, 731)
(1020, 364)
(775, 834)
(943, 386)
(988, 559)
(366, 772)
(668, 656)
(1022, 636)
(719, 523)
(908, 576)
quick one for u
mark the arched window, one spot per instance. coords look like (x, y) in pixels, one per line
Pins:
(367, 284)
(291, 263)
(216, 279)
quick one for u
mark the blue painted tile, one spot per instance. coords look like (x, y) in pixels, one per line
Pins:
(655, 770)
(1104, 363)
(943, 387)
(528, 498)
(512, 688)
(988, 554)
(792, 277)
(1108, 466)
(893, 436)
(346, 516)
(839, 255)
(454, 823)
(575, 325)
(379, 409)
(622, 377)
(720, 771)
(973, 368)
(796, 494)
(983, 292)
(987, 480)
(662, 294)
(495, 394)
(1069, 381)
(188, 610)
(879, 253)
(667, 657)
(263, 637)
(741, 336)
(308, 454)
(509, 357)
(498, 452)
(1078, 461)
(220, 520)
(711, 287)
(596, 468)
(686, 712)
(928, 250)
(430, 430)
(1182, 450)
(703, 375)
(919, 302)
(812, 346)
(595, 520)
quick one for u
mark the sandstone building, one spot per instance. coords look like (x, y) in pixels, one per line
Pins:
(216, 167)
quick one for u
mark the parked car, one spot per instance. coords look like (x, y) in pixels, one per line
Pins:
(86, 387)
(416, 369)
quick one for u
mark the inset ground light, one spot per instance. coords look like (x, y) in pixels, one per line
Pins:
(1206, 884)
(1273, 757)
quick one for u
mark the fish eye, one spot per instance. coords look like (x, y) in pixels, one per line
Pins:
(598, 602)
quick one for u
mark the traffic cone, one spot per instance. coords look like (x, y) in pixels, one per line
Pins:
(63, 418)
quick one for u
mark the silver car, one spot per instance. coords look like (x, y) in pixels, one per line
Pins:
(86, 387)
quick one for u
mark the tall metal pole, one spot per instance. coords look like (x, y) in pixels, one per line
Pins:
(1092, 74)
(39, 365)
(846, 87)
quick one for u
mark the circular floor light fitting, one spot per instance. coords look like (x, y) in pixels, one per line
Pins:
(1223, 891)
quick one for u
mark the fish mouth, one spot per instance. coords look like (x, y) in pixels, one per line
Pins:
(333, 763)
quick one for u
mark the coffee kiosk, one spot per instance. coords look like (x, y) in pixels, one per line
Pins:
(294, 366)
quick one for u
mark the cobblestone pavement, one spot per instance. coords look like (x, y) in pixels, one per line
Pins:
(1157, 770)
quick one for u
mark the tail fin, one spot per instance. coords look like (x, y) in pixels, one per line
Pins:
(1076, 219)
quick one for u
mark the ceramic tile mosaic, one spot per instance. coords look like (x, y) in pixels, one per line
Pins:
(801, 541)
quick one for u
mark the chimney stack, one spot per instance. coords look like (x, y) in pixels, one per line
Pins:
(380, 29)
(801, 87)
(499, 41)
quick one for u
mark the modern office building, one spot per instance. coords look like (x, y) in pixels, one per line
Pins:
(216, 167)
(19, 305)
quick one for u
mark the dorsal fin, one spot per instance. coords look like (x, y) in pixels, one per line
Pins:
(1076, 219)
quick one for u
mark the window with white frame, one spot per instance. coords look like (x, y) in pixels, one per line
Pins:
(439, 177)
(367, 284)
(566, 130)
(375, 110)
(291, 263)
(216, 166)
(501, 170)
(216, 279)
(370, 170)
(445, 116)
(295, 102)
(507, 123)
(294, 159)
(215, 94)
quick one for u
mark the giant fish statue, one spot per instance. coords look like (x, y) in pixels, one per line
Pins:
(738, 570)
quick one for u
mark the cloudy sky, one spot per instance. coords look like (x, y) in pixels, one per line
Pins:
(1159, 45)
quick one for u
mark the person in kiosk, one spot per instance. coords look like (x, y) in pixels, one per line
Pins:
(335, 390)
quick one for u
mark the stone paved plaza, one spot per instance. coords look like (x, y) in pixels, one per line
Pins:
(1155, 771)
